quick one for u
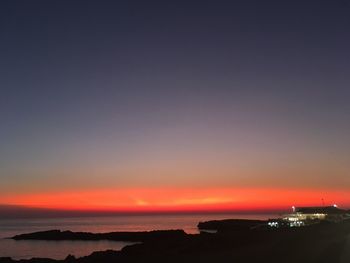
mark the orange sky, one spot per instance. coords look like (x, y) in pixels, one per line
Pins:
(180, 199)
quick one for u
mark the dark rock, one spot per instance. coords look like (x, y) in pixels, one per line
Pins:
(115, 236)
(70, 258)
(6, 260)
(312, 244)
(230, 224)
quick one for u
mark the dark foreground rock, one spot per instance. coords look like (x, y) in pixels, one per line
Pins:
(318, 243)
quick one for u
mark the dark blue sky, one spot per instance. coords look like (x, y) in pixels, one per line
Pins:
(256, 93)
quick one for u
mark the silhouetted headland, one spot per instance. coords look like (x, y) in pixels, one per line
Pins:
(143, 236)
(231, 224)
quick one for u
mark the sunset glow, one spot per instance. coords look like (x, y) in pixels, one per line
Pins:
(134, 107)
(170, 199)
(174, 131)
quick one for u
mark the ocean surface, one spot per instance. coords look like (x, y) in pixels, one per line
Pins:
(61, 249)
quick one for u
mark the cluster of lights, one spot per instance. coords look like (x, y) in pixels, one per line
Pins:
(296, 223)
(273, 224)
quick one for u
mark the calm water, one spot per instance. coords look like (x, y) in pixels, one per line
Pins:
(60, 249)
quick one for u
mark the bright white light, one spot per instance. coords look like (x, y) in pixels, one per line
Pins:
(335, 205)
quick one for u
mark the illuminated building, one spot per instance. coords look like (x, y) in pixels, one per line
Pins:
(308, 215)
(302, 216)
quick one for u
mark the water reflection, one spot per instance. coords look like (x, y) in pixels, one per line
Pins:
(26, 249)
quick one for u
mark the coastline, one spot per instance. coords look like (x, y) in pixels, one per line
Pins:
(234, 240)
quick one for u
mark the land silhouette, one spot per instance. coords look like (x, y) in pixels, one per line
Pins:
(230, 241)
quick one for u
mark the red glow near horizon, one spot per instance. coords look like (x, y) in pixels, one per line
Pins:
(172, 199)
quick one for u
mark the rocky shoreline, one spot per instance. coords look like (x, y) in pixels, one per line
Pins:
(233, 241)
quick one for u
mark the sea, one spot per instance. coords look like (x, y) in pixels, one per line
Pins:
(26, 249)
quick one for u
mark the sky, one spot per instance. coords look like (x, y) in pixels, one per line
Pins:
(174, 105)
